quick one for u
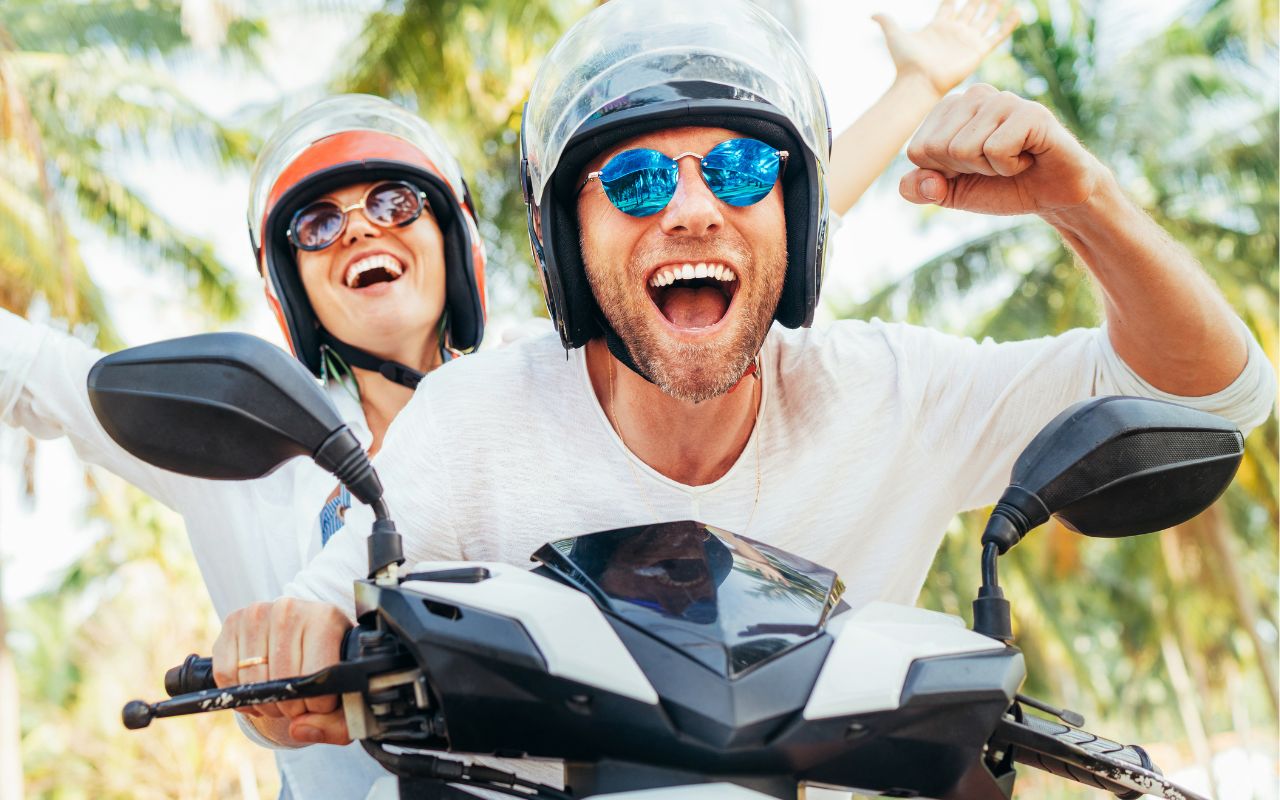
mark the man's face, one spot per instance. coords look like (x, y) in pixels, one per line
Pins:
(694, 338)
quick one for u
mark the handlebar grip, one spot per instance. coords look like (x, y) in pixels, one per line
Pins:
(1124, 770)
(1092, 743)
(195, 674)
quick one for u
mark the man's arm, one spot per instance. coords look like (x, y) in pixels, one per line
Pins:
(282, 639)
(1166, 319)
(302, 632)
(930, 62)
(995, 153)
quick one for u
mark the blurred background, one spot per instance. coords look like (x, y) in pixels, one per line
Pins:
(126, 132)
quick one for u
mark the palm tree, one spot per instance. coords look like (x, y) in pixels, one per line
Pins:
(466, 65)
(73, 94)
(1188, 122)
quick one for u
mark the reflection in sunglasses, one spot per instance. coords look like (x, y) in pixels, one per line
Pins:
(389, 205)
(641, 182)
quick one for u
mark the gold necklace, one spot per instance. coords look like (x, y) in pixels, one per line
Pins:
(639, 479)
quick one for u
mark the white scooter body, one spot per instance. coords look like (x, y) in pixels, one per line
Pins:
(864, 671)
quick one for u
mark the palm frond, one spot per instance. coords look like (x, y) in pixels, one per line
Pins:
(136, 28)
(144, 27)
(122, 106)
(112, 206)
(989, 265)
(466, 65)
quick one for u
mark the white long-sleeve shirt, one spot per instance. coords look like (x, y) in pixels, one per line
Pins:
(249, 537)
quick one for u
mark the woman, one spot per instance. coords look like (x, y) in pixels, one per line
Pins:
(365, 234)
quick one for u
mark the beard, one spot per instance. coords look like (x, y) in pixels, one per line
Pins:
(690, 371)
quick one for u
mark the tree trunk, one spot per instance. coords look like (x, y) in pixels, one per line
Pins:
(1192, 721)
(1173, 644)
(1219, 543)
(10, 755)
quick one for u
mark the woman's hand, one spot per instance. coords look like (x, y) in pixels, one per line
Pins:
(950, 47)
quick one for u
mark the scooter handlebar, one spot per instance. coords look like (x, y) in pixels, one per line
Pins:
(195, 674)
(1124, 770)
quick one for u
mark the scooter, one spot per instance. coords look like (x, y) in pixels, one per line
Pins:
(670, 661)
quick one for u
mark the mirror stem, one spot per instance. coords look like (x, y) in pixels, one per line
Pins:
(991, 614)
(344, 456)
(386, 550)
(1017, 512)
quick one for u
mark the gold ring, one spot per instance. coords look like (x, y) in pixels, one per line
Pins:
(245, 663)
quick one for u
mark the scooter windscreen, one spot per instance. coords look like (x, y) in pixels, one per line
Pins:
(729, 602)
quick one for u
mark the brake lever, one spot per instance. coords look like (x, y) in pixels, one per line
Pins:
(1072, 718)
(343, 677)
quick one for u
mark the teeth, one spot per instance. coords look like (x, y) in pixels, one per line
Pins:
(378, 261)
(687, 272)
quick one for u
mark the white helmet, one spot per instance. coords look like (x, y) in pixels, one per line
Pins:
(632, 66)
(356, 138)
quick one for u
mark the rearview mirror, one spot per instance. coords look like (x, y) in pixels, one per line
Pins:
(226, 406)
(1121, 466)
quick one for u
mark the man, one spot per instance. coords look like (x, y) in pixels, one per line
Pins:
(675, 159)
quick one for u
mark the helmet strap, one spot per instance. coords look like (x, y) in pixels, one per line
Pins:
(393, 371)
(619, 349)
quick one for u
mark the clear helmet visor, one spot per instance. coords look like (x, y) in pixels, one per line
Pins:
(343, 114)
(619, 56)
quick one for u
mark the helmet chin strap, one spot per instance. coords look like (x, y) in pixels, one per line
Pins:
(393, 371)
(619, 350)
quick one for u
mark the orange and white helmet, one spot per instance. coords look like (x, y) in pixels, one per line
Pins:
(358, 138)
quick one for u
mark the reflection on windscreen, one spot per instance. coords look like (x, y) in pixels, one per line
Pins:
(727, 601)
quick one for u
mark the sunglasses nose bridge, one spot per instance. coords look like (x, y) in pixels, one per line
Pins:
(356, 226)
(694, 208)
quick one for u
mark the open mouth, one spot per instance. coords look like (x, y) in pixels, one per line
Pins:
(372, 270)
(693, 295)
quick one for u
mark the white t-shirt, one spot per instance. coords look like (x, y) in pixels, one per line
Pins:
(870, 437)
(249, 537)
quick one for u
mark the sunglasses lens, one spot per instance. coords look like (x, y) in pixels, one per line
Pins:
(393, 204)
(741, 172)
(639, 182)
(317, 226)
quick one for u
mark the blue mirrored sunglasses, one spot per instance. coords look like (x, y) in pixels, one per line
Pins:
(741, 172)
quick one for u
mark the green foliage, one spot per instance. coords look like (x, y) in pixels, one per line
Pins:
(1188, 122)
(103, 635)
(466, 66)
(82, 84)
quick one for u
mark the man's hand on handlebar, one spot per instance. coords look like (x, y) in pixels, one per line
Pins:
(284, 639)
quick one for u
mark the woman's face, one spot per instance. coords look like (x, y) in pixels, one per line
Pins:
(381, 290)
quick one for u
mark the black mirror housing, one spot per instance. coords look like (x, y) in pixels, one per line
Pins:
(1119, 466)
(226, 406)
(229, 406)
